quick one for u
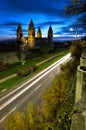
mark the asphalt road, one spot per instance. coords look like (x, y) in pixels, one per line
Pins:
(30, 91)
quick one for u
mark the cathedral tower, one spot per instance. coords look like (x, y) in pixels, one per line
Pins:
(31, 35)
(19, 32)
(50, 34)
(39, 34)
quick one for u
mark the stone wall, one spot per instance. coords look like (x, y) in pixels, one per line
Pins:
(79, 116)
(83, 59)
(11, 57)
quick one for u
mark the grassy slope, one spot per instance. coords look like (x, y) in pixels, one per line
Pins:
(14, 67)
(18, 80)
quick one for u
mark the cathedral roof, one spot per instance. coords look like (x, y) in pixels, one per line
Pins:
(31, 23)
(19, 28)
(39, 30)
(50, 28)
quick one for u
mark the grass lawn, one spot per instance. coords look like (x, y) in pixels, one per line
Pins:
(18, 79)
(14, 67)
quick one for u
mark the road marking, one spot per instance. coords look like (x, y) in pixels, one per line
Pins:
(38, 87)
(7, 114)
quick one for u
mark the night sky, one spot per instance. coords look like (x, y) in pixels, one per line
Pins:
(43, 13)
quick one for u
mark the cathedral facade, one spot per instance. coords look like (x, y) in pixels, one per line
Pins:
(33, 41)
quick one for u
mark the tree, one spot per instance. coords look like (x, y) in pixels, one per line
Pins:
(15, 122)
(57, 106)
(75, 7)
(29, 119)
(76, 50)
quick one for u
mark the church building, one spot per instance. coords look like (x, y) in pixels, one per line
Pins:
(33, 41)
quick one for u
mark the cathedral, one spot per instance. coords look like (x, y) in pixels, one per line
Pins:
(33, 41)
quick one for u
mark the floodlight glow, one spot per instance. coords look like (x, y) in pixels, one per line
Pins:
(71, 29)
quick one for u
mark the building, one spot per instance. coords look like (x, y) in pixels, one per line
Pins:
(33, 41)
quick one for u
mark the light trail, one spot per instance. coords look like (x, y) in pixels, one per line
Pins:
(36, 79)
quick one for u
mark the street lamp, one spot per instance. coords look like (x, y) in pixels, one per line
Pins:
(76, 33)
(71, 29)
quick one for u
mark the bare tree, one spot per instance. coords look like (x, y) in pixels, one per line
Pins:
(75, 7)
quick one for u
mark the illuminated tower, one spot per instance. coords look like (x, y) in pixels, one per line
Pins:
(50, 34)
(39, 34)
(31, 35)
(19, 32)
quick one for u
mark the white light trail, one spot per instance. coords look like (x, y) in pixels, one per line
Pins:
(34, 82)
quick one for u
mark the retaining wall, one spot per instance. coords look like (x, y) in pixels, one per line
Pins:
(11, 57)
(79, 116)
(83, 59)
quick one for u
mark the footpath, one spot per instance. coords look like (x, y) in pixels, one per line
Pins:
(44, 61)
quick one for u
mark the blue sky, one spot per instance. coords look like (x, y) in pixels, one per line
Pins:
(43, 13)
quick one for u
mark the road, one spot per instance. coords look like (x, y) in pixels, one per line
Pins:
(30, 91)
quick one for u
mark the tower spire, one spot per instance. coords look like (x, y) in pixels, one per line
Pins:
(19, 31)
(39, 34)
(31, 35)
(50, 34)
(31, 23)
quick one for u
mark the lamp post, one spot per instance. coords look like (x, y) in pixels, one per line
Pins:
(76, 34)
(71, 29)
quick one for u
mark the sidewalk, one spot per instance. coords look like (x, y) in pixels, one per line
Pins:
(14, 75)
(7, 78)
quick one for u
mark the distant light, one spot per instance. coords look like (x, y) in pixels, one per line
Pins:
(71, 29)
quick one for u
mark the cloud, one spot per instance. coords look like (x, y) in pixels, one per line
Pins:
(30, 6)
(58, 33)
(43, 12)
(48, 23)
(11, 23)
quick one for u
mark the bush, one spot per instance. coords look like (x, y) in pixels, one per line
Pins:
(34, 68)
(69, 68)
(8, 65)
(58, 101)
(26, 70)
(2, 66)
(26, 120)
(76, 50)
